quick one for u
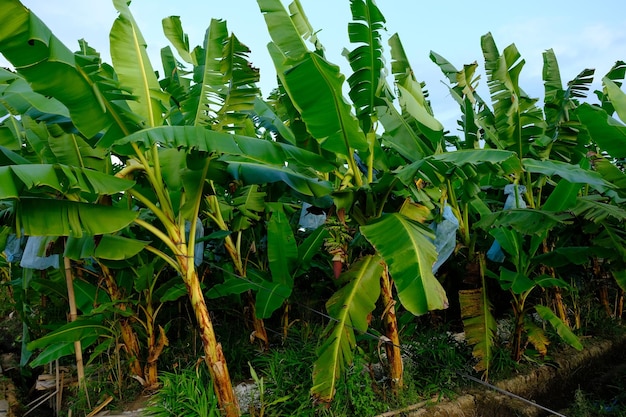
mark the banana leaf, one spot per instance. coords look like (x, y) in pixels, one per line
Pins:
(60, 342)
(313, 84)
(50, 68)
(48, 217)
(597, 209)
(537, 337)
(17, 96)
(133, 67)
(561, 328)
(407, 247)
(516, 119)
(524, 220)
(282, 252)
(268, 119)
(608, 133)
(569, 172)
(620, 278)
(202, 139)
(104, 247)
(617, 97)
(15, 180)
(173, 30)
(507, 160)
(309, 248)
(479, 325)
(366, 59)
(270, 294)
(349, 307)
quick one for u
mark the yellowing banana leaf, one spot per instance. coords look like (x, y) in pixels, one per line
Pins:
(537, 337)
(406, 246)
(479, 325)
(349, 307)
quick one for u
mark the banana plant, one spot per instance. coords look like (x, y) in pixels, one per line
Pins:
(365, 188)
(121, 109)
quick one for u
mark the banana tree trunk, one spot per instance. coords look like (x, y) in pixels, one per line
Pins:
(259, 333)
(560, 306)
(129, 336)
(392, 347)
(214, 356)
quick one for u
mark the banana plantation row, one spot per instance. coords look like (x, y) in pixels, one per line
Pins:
(121, 184)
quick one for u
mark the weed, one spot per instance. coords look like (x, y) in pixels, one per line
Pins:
(435, 360)
(185, 393)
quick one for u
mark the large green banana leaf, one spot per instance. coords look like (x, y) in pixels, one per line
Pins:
(173, 30)
(15, 180)
(270, 294)
(107, 247)
(617, 97)
(620, 278)
(609, 134)
(256, 160)
(406, 131)
(349, 307)
(282, 251)
(597, 209)
(314, 85)
(569, 172)
(50, 67)
(202, 139)
(60, 342)
(562, 138)
(18, 98)
(48, 217)
(366, 59)
(561, 328)
(516, 119)
(133, 67)
(406, 246)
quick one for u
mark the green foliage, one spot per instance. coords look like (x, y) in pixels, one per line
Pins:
(435, 359)
(349, 307)
(405, 246)
(186, 392)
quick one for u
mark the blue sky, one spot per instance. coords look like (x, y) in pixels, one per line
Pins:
(583, 34)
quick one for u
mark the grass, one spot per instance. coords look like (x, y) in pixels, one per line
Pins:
(187, 392)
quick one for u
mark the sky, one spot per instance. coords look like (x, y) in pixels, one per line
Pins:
(582, 34)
